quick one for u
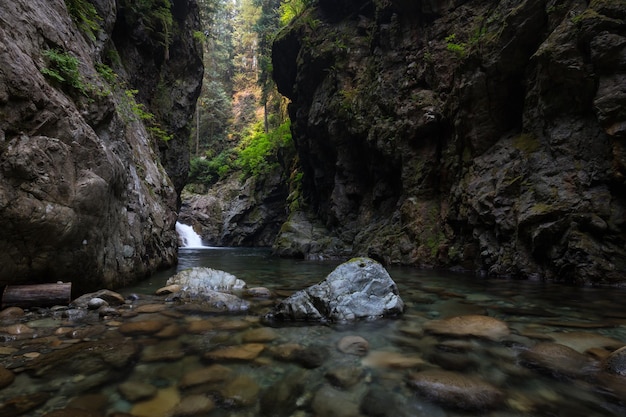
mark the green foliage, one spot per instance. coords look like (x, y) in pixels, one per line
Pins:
(85, 16)
(258, 151)
(209, 171)
(291, 9)
(63, 67)
(107, 73)
(138, 110)
(453, 46)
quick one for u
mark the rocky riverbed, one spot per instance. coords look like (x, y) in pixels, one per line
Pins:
(450, 354)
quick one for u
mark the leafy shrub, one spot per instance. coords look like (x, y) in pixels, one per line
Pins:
(209, 171)
(258, 152)
(85, 16)
(63, 68)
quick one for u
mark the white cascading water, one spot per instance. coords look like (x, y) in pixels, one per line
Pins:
(188, 237)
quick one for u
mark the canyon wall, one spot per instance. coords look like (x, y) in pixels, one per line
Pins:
(94, 103)
(475, 135)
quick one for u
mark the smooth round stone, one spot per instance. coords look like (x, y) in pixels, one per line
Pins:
(615, 363)
(329, 401)
(245, 352)
(158, 406)
(11, 313)
(169, 332)
(16, 406)
(353, 345)
(456, 390)
(393, 360)
(168, 350)
(258, 292)
(16, 329)
(200, 326)
(210, 374)
(168, 289)
(232, 324)
(470, 325)
(285, 351)
(193, 405)
(141, 327)
(558, 359)
(241, 391)
(344, 377)
(93, 402)
(259, 335)
(135, 391)
(150, 308)
(95, 303)
(311, 357)
(583, 341)
(6, 377)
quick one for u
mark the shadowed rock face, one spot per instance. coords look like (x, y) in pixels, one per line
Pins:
(83, 196)
(463, 134)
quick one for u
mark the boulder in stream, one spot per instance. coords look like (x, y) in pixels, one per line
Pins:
(358, 289)
(208, 286)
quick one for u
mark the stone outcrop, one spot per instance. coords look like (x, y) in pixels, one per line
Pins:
(467, 134)
(83, 196)
(358, 289)
(238, 213)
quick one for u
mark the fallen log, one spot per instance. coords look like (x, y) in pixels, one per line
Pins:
(37, 295)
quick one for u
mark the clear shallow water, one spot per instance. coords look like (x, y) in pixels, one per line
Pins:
(583, 318)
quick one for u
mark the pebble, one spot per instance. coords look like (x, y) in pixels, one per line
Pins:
(6, 377)
(242, 391)
(16, 329)
(259, 335)
(470, 325)
(353, 345)
(73, 412)
(160, 405)
(141, 327)
(329, 401)
(456, 390)
(169, 289)
(557, 359)
(193, 405)
(394, 360)
(210, 374)
(135, 391)
(615, 363)
(96, 302)
(11, 313)
(246, 352)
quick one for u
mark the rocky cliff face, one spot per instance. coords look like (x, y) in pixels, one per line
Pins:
(236, 213)
(83, 196)
(475, 134)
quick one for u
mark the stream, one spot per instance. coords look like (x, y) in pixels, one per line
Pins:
(153, 358)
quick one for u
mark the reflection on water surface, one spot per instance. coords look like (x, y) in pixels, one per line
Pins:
(157, 359)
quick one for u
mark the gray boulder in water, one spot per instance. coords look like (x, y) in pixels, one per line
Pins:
(210, 287)
(358, 289)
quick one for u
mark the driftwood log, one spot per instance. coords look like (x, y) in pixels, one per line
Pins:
(37, 295)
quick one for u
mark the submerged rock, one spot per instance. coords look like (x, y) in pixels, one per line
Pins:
(557, 359)
(456, 390)
(615, 363)
(200, 279)
(208, 286)
(358, 289)
(471, 325)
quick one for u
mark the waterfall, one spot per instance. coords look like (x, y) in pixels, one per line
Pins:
(188, 237)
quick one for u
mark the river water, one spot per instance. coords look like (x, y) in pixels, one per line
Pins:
(173, 372)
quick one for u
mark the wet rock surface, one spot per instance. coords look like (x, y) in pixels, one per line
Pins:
(83, 195)
(159, 357)
(358, 289)
(489, 137)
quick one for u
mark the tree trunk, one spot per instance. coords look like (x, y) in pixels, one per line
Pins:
(37, 295)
